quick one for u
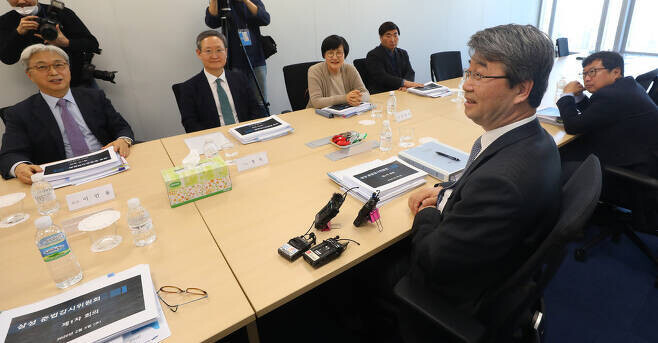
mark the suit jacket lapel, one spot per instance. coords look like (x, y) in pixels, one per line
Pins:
(87, 110)
(508, 138)
(42, 112)
(205, 93)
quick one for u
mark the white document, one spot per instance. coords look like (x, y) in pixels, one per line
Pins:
(197, 142)
(268, 128)
(151, 333)
(431, 89)
(85, 168)
(96, 311)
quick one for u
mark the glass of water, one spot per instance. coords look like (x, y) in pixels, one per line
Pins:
(376, 112)
(406, 137)
(460, 92)
(229, 152)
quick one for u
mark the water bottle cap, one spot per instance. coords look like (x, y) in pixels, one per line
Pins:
(43, 222)
(133, 202)
(391, 93)
(36, 177)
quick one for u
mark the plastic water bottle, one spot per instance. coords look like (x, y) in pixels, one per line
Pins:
(386, 137)
(210, 149)
(140, 223)
(44, 195)
(62, 264)
(391, 104)
(559, 88)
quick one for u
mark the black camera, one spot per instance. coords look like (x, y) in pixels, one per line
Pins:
(48, 25)
(90, 72)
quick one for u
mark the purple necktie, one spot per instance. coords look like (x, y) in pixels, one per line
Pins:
(73, 132)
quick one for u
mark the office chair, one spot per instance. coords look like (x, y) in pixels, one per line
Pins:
(446, 65)
(647, 78)
(296, 79)
(516, 306)
(2, 114)
(635, 210)
(562, 47)
(360, 65)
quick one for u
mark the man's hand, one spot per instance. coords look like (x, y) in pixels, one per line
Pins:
(409, 84)
(121, 146)
(27, 24)
(61, 40)
(574, 87)
(354, 98)
(25, 171)
(423, 198)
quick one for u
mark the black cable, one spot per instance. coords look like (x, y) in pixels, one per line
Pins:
(310, 227)
(349, 240)
(345, 195)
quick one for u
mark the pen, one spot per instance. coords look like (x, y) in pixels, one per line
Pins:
(447, 156)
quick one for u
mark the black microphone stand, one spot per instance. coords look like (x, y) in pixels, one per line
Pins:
(225, 21)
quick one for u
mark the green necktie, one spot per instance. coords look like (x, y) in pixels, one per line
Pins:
(224, 104)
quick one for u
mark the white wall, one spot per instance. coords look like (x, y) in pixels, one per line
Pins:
(151, 43)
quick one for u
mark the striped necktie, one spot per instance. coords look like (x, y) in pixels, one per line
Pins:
(475, 150)
(224, 104)
(73, 133)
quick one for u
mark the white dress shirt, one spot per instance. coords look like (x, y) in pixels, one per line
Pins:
(212, 81)
(486, 140)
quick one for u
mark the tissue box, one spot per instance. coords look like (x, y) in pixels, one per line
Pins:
(186, 185)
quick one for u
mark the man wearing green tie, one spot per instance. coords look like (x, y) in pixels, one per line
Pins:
(216, 96)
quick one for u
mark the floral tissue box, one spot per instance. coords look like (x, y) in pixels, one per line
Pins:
(185, 185)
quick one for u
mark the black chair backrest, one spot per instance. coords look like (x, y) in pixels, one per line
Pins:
(2, 114)
(646, 78)
(446, 65)
(523, 289)
(176, 89)
(360, 65)
(296, 79)
(653, 92)
(562, 47)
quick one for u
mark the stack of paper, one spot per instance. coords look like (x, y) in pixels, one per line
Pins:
(99, 310)
(437, 159)
(261, 130)
(85, 168)
(431, 90)
(391, 177)
(346, 111)
(550, 115)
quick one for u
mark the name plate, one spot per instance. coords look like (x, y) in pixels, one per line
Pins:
(252, 161)
(90, 197)
(402, 115)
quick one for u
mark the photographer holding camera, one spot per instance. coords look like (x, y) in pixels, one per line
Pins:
(30, 22)
(245, 17)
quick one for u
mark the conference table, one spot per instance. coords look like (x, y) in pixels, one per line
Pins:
(227, 244)
(271, 204)
(184, 253)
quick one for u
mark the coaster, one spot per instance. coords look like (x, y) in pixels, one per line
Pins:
(367, 122)
(18, 221)
(318, 142)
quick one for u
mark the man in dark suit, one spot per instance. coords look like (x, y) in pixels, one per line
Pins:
(469, 236)
(388, 66)
(216, 96)
(58, 122)
(618, 123)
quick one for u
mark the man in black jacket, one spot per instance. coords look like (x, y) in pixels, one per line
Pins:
(618, 123)
(59, 122)
(388, 66)
(215, 96)
(19, 29)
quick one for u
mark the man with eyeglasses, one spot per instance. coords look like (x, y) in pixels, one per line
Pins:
(468, 236)
(19, 29)
(216, 96)
(618, 122)
(388, 66)
(59, 122)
